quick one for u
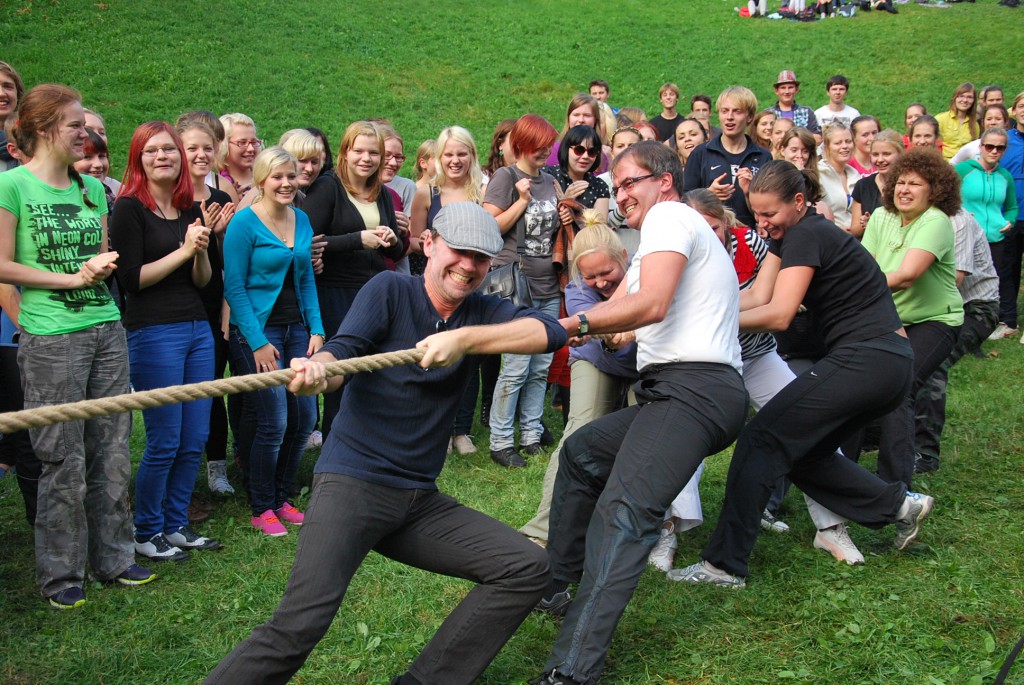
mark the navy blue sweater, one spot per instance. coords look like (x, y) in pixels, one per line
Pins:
(394, 424)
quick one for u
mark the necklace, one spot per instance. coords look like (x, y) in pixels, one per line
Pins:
(273, 227)
(176, 229)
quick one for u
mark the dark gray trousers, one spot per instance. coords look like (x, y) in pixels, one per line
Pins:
(345, 520)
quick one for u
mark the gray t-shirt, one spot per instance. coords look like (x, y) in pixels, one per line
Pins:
(538, 224)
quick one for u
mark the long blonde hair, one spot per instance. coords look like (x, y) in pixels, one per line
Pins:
(459, 135)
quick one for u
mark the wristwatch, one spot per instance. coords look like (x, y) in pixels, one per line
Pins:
(584, 324)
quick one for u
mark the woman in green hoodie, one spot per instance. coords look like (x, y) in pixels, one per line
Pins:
(988, 193)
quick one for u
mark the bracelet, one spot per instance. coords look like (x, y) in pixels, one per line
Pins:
(319, 335)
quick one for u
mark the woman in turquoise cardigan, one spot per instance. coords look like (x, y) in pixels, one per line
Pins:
(989, 194)
(269, 287)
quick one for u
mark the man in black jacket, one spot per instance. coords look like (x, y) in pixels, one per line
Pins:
(727, 164)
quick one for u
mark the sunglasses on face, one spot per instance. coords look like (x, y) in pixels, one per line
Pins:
(580, 150)
(992, 147)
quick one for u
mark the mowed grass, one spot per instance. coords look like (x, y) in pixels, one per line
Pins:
(945, 612)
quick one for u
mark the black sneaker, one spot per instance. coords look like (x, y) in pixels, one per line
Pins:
(186, 538)
(533, 449)
(508, 457)
(135, 575)
(546, 438)
(158, 549)
(556, 600)
(68, 598)
(924, 463)
(555, 678)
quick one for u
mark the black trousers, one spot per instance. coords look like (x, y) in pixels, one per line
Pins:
(797, 434)
(616, 478)
(932, 342)
(16, 448)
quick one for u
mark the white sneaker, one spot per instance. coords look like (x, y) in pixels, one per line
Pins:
(772, 524)
(1003, 331)
(463, 444)
(217, 478)
(316, 440)
(663, 555)
(836, 540)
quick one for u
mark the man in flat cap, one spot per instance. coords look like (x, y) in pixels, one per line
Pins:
(374, 489)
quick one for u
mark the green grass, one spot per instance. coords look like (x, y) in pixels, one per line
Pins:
(946, 612)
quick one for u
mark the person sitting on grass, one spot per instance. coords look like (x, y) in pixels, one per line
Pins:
(388, 476)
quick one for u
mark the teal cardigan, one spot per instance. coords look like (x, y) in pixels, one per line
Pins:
(255, 265)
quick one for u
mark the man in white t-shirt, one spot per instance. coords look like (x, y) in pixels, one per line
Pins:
(836, 109)
(619, 473)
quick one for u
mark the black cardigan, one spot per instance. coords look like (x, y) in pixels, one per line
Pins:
(347, 264)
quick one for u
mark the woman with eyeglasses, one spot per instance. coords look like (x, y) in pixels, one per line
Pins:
(354, 212)
(158, 230)
(72, 345)
(275, 317)
(989, 194)
(578, 158)
(238, 153)
(911, 238)
(959, 124)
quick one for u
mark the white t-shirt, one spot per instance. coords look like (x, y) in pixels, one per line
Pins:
(702, 322)
(826, 116)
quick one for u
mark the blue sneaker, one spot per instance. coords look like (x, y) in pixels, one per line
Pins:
(135, 575)
(68, 598)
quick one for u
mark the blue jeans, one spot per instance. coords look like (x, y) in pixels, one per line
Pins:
(523, 382)
(283, 420)
(160, 356)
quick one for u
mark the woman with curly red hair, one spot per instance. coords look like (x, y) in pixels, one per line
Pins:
(912, 241)
(158, 231)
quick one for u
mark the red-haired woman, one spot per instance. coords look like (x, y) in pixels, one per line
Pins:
(158, 230)
(356, 216)
(72, 344)
(524, 201)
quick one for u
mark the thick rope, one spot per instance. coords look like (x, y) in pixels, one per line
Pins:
(105, 406)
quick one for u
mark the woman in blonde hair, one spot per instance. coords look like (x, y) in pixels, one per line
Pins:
(602, 371)
(268, 284)
(456, 178)
(356, 216)
(238, 153)
(867, 193)
(836, 175)
(308, 150)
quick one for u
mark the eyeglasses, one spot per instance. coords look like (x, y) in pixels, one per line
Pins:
(580, 150)
(243, 144)
(154, 151)
(991, 147)
(628, 183)
(388, 157)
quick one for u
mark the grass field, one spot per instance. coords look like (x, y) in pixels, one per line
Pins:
(946, 612)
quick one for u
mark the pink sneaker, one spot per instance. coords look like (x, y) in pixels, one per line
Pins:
(290, 514)
(268, 524)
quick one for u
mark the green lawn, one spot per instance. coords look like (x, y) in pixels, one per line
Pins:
(945, 612)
